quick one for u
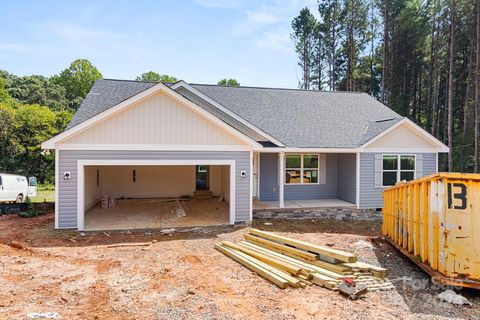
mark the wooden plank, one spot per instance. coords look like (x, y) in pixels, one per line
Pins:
(323, 250)
(289, 251)
(339, 268)
(272, 277)
(305, 265)
(294, 282)
(274, 262)
(305, 269)
(375, 270)
(324, 281)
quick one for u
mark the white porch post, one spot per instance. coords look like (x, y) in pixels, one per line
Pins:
(357, 180)
(281, 179)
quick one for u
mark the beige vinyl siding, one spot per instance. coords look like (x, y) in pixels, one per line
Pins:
(157, 120)
(402, 137)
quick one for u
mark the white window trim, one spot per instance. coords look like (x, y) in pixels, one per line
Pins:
(302, 168)
(399, 169)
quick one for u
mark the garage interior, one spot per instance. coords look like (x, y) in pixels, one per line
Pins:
(161, 196)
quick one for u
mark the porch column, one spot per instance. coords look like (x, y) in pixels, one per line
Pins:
(281, 178)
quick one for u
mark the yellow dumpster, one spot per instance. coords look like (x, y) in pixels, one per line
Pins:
(435, 221)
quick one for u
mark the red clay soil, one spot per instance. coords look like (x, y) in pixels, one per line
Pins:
(184, 277)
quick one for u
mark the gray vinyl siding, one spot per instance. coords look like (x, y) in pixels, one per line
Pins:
(268, 177)
(346, 176)
(67, 198)
(269, 181)
(372, 196)
(316, 191)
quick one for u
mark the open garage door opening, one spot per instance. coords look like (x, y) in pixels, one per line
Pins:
(120, 197)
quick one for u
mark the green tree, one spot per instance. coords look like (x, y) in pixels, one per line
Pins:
(77, 80)
(36, 89)
(9, 147)
(304, 36)
(4, 95)
(330, 29)
(34, 124)
(152, 76)
(229, 82)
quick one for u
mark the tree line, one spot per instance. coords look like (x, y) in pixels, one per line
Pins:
(420, 58)
(35, 108)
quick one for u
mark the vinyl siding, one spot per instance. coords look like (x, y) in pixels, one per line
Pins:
(159, 119)
(269, 181)
(268, 177)
(371, 196)
(346, 176)
(316, 191)
(67, 189)
(402, 137)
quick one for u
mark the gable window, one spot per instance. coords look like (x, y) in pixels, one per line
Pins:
(397, 168)
(301, 168)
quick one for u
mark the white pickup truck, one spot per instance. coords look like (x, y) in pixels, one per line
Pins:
(14, 188)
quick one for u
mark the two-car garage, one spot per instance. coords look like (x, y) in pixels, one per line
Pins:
(155, 196)
(152, 188)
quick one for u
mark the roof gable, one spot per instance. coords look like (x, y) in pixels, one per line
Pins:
(156, 120)
(128, 102)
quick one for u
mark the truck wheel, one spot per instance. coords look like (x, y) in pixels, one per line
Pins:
(19, 199)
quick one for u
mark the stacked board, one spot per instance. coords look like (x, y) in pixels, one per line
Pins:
(287, 262)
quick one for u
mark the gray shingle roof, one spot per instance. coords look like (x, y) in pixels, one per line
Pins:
(297, 118)
(309, 119)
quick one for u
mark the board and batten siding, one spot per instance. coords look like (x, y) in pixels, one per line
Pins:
(346, 177)
(67, 189)
(371, 190)
(159, 119)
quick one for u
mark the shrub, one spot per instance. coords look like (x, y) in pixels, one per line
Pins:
(29, 211)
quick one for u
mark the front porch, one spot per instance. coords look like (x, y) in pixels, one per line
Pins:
(305, 181)
(303, 204)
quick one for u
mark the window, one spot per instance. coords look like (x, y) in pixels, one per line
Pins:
(301, 169)
(397, 168)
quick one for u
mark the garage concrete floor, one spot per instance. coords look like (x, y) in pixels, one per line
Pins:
(157, 213)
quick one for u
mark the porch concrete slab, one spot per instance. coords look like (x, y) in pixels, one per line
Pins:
(292, 204)
(156, 213)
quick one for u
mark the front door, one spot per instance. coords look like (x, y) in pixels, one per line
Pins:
(202, 177)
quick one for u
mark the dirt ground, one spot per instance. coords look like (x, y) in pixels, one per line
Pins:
(184, 277)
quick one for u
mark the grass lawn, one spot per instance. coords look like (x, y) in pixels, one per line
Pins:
(44, 193)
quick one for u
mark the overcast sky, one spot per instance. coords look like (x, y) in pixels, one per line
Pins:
(199, 41)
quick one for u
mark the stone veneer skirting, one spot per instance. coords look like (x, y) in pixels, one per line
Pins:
(318, 213)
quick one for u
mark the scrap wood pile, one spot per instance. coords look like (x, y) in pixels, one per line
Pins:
(289, 262)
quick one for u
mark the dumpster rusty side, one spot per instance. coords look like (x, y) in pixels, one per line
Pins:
(435, 221)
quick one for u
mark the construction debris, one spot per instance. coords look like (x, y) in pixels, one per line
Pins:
(168, 232)
(180, 210)
(44, 315)
(134, 244)
(352, 289)
(452, 297)
(289, 262)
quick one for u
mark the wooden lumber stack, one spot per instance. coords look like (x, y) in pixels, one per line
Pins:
(287, 262)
